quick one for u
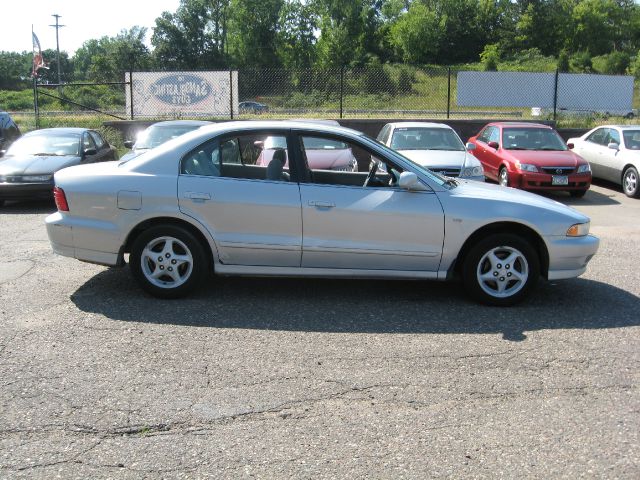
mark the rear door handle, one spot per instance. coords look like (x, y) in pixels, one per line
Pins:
(316, 203)
(198, 196)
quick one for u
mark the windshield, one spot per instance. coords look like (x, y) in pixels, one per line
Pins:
(157, 135)
(46, 145)
(631, 139)
(422, 138)
(525, 138)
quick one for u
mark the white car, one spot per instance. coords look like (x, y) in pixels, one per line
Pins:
(433, 145)
(614, 154)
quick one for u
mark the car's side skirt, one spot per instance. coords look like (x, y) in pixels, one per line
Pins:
(261, 271)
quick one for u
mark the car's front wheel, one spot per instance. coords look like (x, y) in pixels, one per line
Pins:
(630, 183)
(168, 261)
(503, 177)
(501, 269)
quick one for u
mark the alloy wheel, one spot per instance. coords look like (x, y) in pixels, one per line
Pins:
(166, 262)
(502, 272)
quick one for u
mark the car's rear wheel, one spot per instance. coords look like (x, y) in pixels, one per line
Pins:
(503, 177)
(168, 261)
(501, 269)
(630, 184)
(577, 193)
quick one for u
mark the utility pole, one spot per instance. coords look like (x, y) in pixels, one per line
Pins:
(57, 26)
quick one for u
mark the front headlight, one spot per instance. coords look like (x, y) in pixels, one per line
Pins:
(584, 168)
(578, 230)
(472, 172)
(526, 167)
(36, 178)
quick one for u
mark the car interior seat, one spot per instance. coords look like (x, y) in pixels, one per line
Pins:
(275, 169)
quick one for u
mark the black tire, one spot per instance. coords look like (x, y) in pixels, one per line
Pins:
(577, 193)
(477, 263)
(168, 241)
(631, 183)
(503, 177)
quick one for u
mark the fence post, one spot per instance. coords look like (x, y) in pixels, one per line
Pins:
(341, 87)
(231, 94)
(448, 91)
(36, 112)
(555, 96)
(131, 92)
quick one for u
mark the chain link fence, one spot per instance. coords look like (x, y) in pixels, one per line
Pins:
(382, 91)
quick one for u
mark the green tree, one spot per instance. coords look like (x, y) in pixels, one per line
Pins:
(563, 61)
(253, 32)
(490, 57)
(15, 70)
(581, 62)
(617, 63)
(295, 39)
(417, 34)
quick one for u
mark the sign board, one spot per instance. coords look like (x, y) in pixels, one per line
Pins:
(612, 93)
(183, 93)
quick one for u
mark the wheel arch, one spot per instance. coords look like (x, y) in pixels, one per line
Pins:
(624, 169)
(513, 228)
(209, 246)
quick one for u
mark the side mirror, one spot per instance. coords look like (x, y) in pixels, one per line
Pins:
(409, 181)
(470, 146)
(494, 145)
(89, 151)
(613, 146)
(570, 146)
(129, 144)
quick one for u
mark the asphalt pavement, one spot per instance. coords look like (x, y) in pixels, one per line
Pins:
(281, 378)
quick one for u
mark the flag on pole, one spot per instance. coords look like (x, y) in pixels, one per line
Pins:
(38, 61)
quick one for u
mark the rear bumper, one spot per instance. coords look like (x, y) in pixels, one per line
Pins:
(62, 235)
(569, 256)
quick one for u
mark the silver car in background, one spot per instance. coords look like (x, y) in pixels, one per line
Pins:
(436, 146)
(200, 203)
(613, 151)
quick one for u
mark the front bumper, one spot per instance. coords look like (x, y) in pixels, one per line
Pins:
(544, 181)
(569, 256)
(22, 191)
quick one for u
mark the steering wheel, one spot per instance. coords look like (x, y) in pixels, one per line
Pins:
(372, 173)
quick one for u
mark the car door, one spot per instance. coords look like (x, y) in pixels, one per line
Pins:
(592, 149)
(610, 158)
(348, 226)
(253, 216)
(488, 156)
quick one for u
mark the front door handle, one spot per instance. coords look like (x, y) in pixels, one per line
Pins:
(319, 204)
(198, 196)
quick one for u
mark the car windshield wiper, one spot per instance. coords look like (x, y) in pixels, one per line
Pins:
(548, 149)
(49, 154)
(451, 182)
(517, 148)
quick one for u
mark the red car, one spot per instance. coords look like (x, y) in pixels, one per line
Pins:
(530, 156)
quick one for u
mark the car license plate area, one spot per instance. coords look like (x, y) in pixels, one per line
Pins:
(559, 180)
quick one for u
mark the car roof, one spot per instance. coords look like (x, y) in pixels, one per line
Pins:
(419, 125)
(621, 127)
(175, 123)
(223, 127)
(520, 125)
(59, 131)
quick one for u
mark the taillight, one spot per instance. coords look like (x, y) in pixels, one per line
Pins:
(61, 199)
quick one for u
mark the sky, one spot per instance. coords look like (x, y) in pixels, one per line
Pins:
(84, 20)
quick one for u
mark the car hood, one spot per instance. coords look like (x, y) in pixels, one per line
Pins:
(131, 154)
(435, 158)
(35, 164)
(543, 158)
(510, 204)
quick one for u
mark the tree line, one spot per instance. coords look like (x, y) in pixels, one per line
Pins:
(298, 34)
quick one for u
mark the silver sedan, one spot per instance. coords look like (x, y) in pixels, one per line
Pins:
(202, 203)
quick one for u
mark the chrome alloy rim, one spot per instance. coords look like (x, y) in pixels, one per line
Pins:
(504, 177)
(502, 272)
(630, 182)
(166, 262)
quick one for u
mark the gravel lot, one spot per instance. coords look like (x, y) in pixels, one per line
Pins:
(317, 378)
